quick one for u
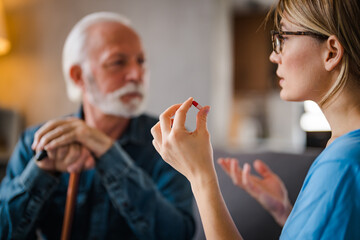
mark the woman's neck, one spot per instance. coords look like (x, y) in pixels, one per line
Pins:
(343, 114)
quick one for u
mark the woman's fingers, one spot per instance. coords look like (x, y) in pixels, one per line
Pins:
(249, 184)
(233, 172)
(180, 115)
(156, 132)
(156, 146)
(201, 117)
(167, 122)
(262, 169)
(232, 168)
(165, 119)
(225, 163)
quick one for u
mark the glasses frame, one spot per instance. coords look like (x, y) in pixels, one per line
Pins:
(278, 40)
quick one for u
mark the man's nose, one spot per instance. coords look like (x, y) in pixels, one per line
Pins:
(134, 73)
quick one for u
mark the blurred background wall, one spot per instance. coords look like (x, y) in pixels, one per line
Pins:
(214, 50)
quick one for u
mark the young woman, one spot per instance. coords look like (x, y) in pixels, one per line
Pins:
(316, 46)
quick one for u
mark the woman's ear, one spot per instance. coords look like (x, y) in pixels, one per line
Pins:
(334, 53)
(76, 75)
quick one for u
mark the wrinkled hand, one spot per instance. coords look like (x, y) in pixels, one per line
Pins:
(190, 153)
(69, 143)
(269, 190)
(68, 158)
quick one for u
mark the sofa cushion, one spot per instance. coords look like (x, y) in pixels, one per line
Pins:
(250, 218)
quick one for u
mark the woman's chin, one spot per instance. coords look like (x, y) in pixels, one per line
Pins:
(286, 97)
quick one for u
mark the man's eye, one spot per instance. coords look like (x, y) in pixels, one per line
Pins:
(119, 62)
(141, 61)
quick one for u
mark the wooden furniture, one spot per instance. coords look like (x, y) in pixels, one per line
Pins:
(10, 130)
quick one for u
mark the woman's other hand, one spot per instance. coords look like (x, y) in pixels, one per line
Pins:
(268, 189)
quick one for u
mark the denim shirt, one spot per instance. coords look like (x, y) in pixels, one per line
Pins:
(130, 194)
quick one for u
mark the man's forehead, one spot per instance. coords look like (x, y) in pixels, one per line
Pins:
(112, 29)
(113, 36)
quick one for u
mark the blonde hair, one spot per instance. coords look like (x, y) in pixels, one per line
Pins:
(329, 17)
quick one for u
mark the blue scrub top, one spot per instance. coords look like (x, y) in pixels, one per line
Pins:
(328, 205)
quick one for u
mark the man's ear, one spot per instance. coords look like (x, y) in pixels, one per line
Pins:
(334, 53)
(76, 74)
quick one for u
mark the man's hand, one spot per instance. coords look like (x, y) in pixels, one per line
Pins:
(69, 158)
(269, 190)
(69, 143)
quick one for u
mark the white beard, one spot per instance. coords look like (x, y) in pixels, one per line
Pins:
(111, 103)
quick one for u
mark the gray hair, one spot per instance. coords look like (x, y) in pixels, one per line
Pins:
(74, 51)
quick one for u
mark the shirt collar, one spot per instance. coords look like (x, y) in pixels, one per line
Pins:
(135, 132)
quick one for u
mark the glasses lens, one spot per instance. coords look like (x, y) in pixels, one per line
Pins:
(277, 43)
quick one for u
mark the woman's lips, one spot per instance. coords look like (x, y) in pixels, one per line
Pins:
(281, 82)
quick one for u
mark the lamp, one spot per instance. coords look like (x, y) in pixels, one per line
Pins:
(4, 41)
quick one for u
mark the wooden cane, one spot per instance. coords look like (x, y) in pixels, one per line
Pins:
(70, 205)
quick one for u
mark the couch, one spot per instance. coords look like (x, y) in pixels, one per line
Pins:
(250, 218)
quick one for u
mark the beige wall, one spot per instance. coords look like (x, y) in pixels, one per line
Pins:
(178, 37)
(30, 75)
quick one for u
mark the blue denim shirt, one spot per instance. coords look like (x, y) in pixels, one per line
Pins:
(130, 194)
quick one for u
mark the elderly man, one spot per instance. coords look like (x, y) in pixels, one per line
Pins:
(125, 190)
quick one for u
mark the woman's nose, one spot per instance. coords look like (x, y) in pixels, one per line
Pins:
(274, 57)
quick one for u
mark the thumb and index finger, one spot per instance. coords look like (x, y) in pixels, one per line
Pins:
(180, 112)
(180, 116)
(201, 117)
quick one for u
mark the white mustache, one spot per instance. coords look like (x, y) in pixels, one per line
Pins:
(128, 88)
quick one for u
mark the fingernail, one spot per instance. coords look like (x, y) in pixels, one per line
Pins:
(190, 98)
(247, 166)
(207, 109)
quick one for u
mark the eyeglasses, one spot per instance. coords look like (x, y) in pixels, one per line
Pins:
(278, 39)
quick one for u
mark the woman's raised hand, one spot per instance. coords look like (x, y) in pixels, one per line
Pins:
(190, 153)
